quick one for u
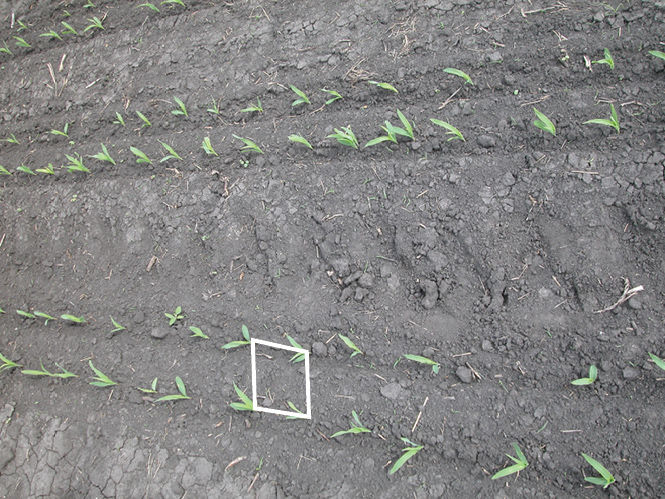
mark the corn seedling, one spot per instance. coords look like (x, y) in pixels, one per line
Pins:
(21, 26)
(658, 361)
(44, 372)
(25, 169)
(68, 29)
(171, 153)
(75, 164)
(613, 121)
(292, 406)
(89, 5)
(461, 74)
(72, 318)
(141, 157)
(383, 85)
(356, 427)
(298, 357)
(347, 341)
(182, 110)
(51, 34)
(520, 463)
(20, 42)
(44, 316)
(117, 327)
(250, 145)
(47, 170)
(302, 98)
(66, 13)
(95, 23)
(2, 311)
(7, 364)
(607, 477)
(407, 453)
(4, 171)
(175, 316)
(63, 132)
(173, 2)
(11, 139)
(101, 380)
(389, 137)
(104, 155)
(152, 389)
(543, 122)
(119, 120)
(25, 314)
(345, 136)
(149, 5)
(146, 121)
(335, 96)
(423, 360)
(197, 333)
(177, 396)
(207, 147)
(300, 140)
(655, 53)
(253, 109)
(245, 403)
(593, 375)
(214, 108)
(5, 49)
(454, 133)
(239, 343)
(607, 59)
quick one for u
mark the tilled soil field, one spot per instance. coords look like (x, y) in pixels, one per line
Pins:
(508, 260)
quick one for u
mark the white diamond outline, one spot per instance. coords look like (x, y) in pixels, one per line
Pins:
(279, 346)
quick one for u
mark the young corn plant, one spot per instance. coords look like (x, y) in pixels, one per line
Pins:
(73, 319)
(68, 29)
(461, 74)
(119, 120)
(171, 154)
(152, 389)
(4, 171)
(294, 137)
(245, 403)
(176, 396)
(593, 375)
(89, 5)
(151, 6)
(607, 59)
(658, 361)
(52, 34)
(543, 122)
(214, 107)
(293, 407)
(302, 98)
(171, 3)
(520, 463)
(655, 53)
(356, 427)
(612, 122)
(7, 364)
(347, 341)
(250, 145)
(239, 343)
(44, 372)
(197, 333)
(5, 49)
(25, 314)
(605, 479)
(334, 96)
(407, 453)
(383, 85)
(454, 133)
(46, 170)
(20, 42)
(25, 169)
(104, 155)
(258, 108)
(2, 311)
(95, 23)
(389, 137)
(11, 139)
(176, 316)
(101, 380)
(423, 360)
(117, 327)
(345, 136)
(298, 357)
(141, 157)
(75, 164)
(181, 110)
(207, 147)
(21, 26)
(146, 121)
(45, 316)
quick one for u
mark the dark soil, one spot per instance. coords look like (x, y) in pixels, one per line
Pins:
(492, 256)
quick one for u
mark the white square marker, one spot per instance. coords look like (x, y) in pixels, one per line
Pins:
(279, 346)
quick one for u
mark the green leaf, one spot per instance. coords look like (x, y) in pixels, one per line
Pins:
(303, 99)
(508, 471)
(300, 140)
(146, 121)
(166, 398)
(245, 332)
(378, 140)
(181, 386)
(335, 96)
(459, 73)
(235, 344)
(141, 157)
(198, 333)
(420, 358)
(451, 130)
(657, 53)
(349, 343)
(409, 452)
(593, 373)
(149, 5)
(658, 361)
(182, 111)
(171, 153)
(27, 315)
(383, 85)
(72, 318)
(543, 122)
(45, 316)
(117, 326)
(407, 126)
